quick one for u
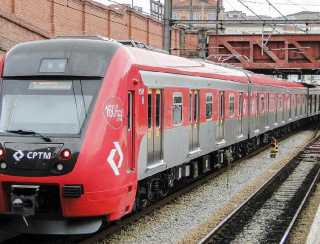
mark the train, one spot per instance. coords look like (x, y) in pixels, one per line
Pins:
(92, 129)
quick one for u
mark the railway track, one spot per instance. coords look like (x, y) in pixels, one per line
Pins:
(269, 214)
(117, 226)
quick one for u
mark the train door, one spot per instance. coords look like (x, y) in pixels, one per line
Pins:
(154, 126)
(220, 126)
(296, 102)
(283, 98)
(257, 112)
(267, 110)
(240, 113)
(310, 104)
(261, 111)
(276, 102)
(194, 119)
(290, 105)
(130, 146)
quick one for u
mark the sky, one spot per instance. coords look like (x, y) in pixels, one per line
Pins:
(261, 7)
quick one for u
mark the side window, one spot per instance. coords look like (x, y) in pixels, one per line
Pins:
(231, 105)
(209, 106)
(129, 110)
(158, 110)
(196, 107)
(177, 109)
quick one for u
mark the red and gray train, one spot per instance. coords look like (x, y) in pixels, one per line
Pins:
(91, 129)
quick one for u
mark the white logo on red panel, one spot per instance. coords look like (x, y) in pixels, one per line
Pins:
(115, 166)
(114, 112)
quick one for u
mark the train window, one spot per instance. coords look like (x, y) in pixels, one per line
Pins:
(149, 110)
(231, 105)
(129, 110)
(196, 106)
(208, 106)
(158, 109)
(221, 105)
(177, 109)
(47, 107)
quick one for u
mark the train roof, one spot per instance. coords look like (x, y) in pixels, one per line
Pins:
(77, 57)
(89, 56)
(160, 62)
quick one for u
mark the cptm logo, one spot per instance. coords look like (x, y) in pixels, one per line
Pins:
(115, 166)
(18, 155)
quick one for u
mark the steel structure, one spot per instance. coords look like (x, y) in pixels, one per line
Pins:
(285, 51)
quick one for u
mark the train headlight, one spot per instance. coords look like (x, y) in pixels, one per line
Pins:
(65, 154)
(2, 153)
(3, 165)
(59, 167)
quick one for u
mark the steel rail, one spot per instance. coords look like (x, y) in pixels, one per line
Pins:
(269, 182)
(288, 231)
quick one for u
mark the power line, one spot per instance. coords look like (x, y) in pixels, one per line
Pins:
(283, 16)
(282, 3)
(302, 6)
(247, 7)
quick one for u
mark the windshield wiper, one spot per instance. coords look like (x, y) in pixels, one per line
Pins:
(30, 132)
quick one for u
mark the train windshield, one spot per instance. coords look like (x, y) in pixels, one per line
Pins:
(46, 106)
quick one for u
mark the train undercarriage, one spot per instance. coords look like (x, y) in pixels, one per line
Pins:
(158, 186)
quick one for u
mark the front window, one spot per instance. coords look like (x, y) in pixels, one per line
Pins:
(46, 106)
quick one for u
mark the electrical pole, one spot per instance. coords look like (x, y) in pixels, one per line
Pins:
(217, 17)
(191, 12)
(167, 25)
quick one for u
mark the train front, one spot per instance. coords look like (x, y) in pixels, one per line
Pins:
(59, 162)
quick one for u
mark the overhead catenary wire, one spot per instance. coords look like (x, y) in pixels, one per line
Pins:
(284, 3)
(253, 12)
(282, 15)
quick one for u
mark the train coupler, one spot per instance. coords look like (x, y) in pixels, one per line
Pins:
(24, 199)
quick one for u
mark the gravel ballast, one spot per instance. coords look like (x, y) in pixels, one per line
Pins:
(178, 221)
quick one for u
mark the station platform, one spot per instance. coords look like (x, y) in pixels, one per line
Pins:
(314, 234)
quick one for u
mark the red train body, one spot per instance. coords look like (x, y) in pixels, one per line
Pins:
(149, 120)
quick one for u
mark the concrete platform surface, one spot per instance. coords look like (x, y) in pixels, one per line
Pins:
(314, 234)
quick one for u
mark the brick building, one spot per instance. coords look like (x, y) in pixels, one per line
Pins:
(25, 20)
(194, 10)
